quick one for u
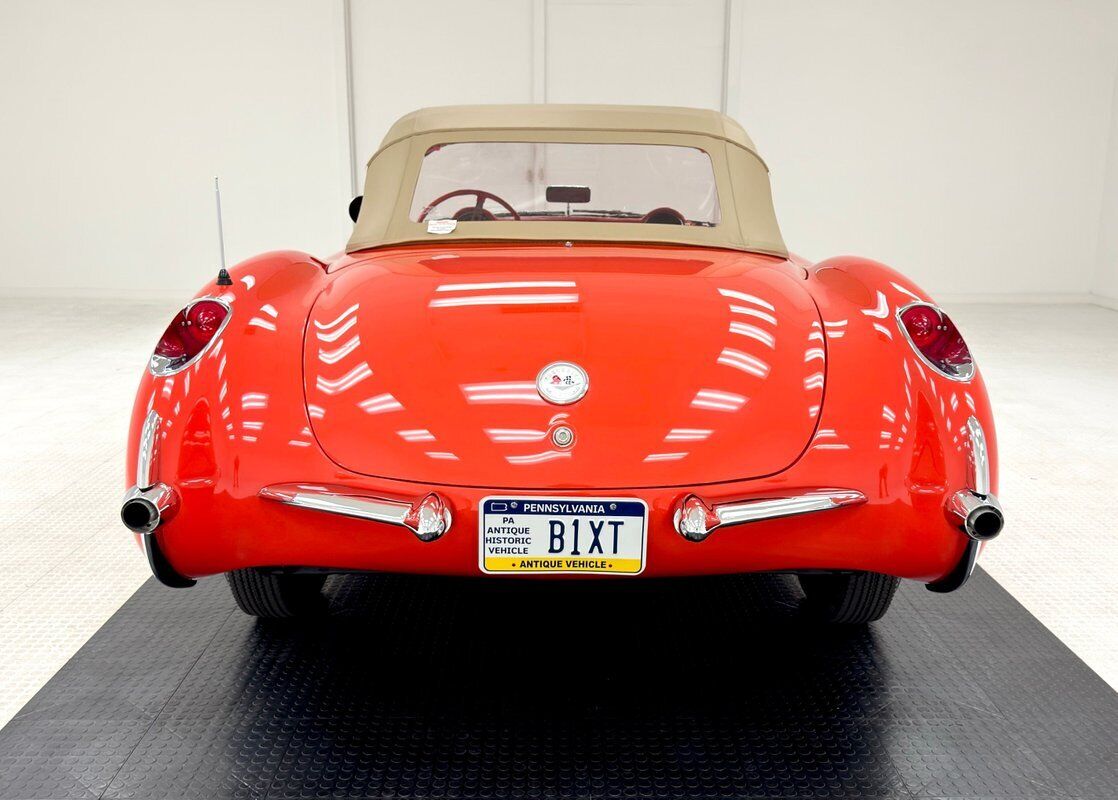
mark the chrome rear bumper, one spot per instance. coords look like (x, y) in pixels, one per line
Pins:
(428, 518)
(695, 519)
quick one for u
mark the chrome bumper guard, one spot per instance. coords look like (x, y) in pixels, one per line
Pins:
(695, 519)
(428, 517)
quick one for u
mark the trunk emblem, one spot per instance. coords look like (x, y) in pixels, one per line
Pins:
(562, 383)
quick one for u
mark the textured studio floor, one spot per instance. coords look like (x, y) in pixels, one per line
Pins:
(68, 371)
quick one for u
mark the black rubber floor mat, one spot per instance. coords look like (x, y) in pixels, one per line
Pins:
(433, 688)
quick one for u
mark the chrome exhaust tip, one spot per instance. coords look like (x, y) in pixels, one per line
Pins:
(980, 516)
(144, 510)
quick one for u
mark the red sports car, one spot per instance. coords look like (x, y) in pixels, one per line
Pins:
(563, 341)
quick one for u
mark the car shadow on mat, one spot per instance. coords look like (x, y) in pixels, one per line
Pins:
(570, 646)
(429, 685)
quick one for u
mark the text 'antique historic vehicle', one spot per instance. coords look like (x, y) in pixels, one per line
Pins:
(563, 341)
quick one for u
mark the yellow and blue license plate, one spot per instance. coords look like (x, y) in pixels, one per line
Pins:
(592, 535)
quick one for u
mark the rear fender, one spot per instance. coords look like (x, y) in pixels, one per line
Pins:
(246, 387)
(883, 405)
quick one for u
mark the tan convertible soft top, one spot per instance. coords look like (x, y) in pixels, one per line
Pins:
(748, 220)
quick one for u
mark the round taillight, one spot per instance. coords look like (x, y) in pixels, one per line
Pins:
(203, 320)
(935, 338)
(189, 333)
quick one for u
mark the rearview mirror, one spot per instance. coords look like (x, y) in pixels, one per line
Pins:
(568, 194)
(355, 207)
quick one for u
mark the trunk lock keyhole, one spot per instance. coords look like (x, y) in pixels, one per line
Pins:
(562, 436)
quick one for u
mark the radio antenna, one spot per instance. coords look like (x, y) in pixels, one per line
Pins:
(223, 278)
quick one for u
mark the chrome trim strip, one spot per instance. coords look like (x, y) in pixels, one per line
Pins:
(976, 508)
(428, 518)
(148, 451)
(978, 458)
(962, 377)
(695, 520)
(160, 367)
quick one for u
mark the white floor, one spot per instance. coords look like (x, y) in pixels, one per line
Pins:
(68, 372)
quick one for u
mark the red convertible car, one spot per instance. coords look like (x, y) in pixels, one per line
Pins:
(563, 341)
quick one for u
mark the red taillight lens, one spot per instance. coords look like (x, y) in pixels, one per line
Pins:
(189, 333)
(203, 320)
(170, 343)
(935, 337)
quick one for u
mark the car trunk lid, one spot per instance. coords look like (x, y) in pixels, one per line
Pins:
(703, 365)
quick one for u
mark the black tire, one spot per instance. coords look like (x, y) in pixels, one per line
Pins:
(274, 596)
(850, 599)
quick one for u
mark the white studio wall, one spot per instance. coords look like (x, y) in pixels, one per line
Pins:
(965, 143)
(1106, 275)
(410, 55)
(653, 52)
(406, 56)
(119, 113)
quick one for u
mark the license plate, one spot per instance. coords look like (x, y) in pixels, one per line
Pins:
(562, 534)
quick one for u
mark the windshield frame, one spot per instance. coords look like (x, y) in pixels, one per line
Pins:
(393, 173)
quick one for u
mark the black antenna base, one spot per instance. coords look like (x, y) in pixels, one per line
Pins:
(223, 278)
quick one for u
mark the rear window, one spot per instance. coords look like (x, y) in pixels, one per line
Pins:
(569, 182)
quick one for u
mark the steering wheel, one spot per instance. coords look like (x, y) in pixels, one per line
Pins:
(481, 196)
(664, 215)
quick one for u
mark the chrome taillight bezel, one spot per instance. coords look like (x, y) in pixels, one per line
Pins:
(161, 366)
(964, 374)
